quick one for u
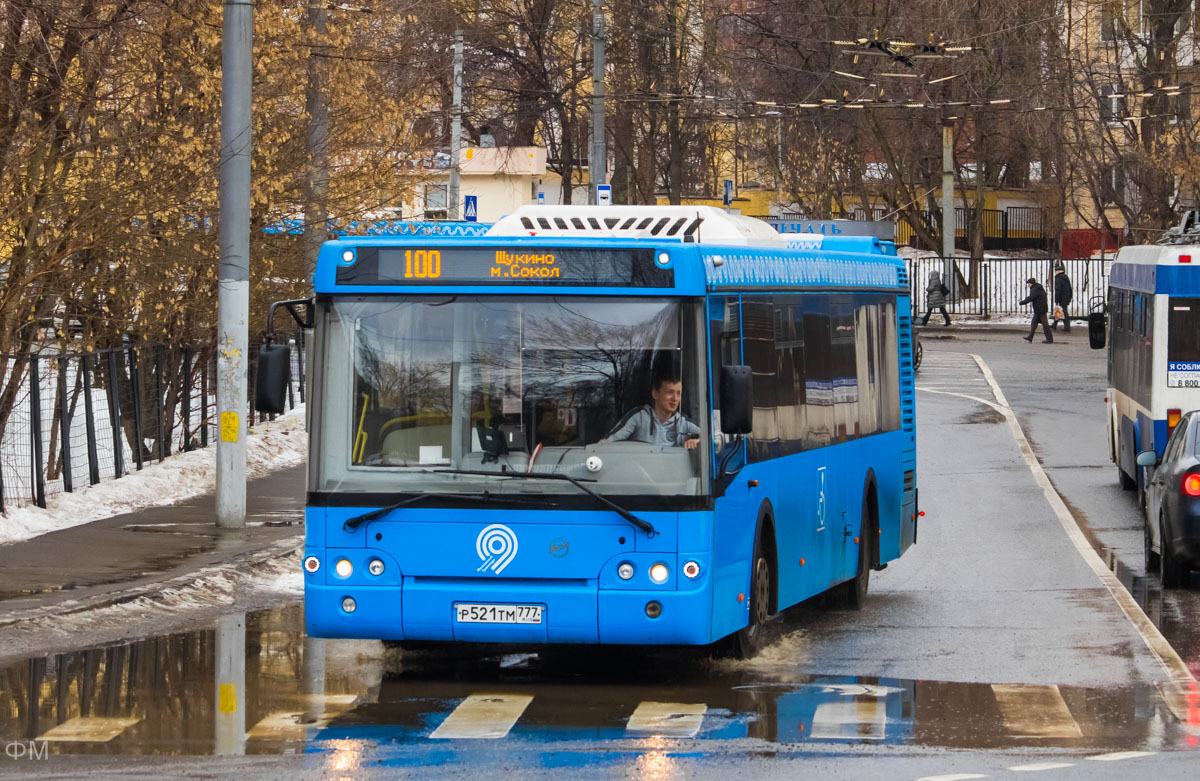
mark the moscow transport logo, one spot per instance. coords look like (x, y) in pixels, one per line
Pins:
(497, 546)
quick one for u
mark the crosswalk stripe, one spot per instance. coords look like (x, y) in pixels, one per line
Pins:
(668, 719)
(293, 725)
(1031, 711)
(483, 716)
(952, 777)
(861, 718)
(1038, 766)
(1116, 756)
(88, 729)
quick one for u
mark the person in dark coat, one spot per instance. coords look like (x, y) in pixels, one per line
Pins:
(935, 297)
(1062, 296)
(1037, 297)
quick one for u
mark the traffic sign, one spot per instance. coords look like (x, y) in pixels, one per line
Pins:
(728, 192)
(604, 195)
(541, 198)
(471, 212)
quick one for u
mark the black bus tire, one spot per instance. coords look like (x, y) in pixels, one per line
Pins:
(748, 641)
(1127, 482)
(854, 591)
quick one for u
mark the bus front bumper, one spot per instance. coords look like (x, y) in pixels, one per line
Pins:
(423, 609)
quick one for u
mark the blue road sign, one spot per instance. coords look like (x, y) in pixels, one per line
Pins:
(728, 192)
(541, 199)
(471, 212)
(603, 194)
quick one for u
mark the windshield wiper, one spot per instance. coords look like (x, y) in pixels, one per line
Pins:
(645, 526)
(353, 523)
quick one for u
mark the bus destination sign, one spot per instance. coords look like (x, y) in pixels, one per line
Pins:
(448, 265)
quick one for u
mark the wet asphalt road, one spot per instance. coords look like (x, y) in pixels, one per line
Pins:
(989, 649)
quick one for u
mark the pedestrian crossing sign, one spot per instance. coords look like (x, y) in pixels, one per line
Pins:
(471, 211)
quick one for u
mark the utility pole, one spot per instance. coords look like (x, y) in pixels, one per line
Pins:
(598, 164)
(316, 100)
(456, 128)
(233, 300)
(948, 221)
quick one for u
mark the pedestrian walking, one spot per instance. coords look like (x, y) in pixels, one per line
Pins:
(1063, 293)
(935, 297)
(1037, 297)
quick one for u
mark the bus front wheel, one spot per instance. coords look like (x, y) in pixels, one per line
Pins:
(1127, 482)
(748, 640)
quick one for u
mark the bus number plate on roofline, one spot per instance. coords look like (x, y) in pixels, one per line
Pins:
(498, 614)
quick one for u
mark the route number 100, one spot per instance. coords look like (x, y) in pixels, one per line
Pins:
(422, 264)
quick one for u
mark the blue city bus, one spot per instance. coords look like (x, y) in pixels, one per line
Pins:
(468, 480)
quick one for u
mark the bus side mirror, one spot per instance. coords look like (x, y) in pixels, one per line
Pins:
(1096, 330)
(272, 378)
(1147, 458)
(737, 403)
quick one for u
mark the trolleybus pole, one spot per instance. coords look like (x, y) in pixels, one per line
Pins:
(233, 303)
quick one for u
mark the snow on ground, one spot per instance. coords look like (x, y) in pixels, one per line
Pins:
(270, 446)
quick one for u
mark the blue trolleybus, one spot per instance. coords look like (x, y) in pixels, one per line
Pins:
(1153, 318)
(617, 425)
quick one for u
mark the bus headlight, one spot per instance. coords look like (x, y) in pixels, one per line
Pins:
(343, 568)
(312, 564)
(625, 570)
(375, 567)
(659, 573)
(692, 570)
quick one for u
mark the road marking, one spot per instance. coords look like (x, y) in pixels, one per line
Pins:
(294, 725)
(1039, 766)
(1031, 711)
(952, 777)
(88, 729)
(483, 716)
(1117, 756)
(1171, 663)
(668, 719)
(857, 719)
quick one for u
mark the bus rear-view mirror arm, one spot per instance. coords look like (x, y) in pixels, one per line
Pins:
(274, 371)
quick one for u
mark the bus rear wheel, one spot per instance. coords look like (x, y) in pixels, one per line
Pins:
(854, 592)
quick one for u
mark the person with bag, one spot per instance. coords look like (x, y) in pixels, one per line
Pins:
(935, 297)
(1062, 297)
(1037, 297)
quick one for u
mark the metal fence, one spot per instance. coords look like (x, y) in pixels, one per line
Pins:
(81, 418)
(991, 287)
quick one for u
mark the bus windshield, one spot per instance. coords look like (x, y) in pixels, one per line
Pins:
(418, 384)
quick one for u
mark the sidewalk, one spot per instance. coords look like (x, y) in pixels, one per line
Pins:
(1005, 325)
(123, 558)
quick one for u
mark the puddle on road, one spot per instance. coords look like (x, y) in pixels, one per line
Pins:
(173, 695)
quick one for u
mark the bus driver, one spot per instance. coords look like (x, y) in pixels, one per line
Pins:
(660, 423)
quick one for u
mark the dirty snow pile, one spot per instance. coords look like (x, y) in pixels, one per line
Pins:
(270, 446)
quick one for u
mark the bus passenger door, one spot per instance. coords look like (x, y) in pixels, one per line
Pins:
(735, 503)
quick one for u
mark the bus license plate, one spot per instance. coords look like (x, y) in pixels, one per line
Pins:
(498, 614)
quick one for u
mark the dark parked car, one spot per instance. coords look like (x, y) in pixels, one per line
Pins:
(1172, 527)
